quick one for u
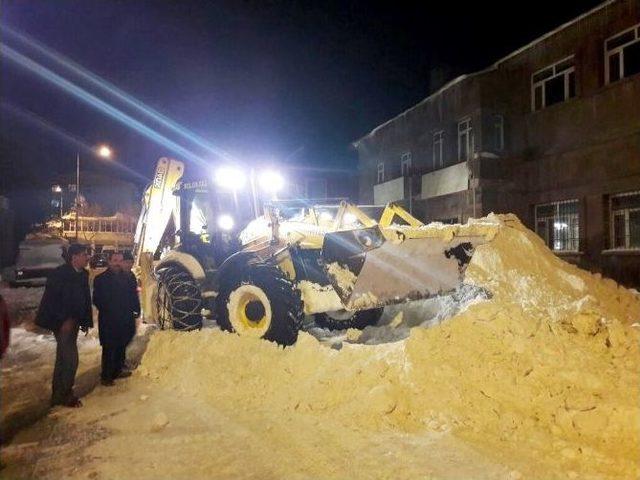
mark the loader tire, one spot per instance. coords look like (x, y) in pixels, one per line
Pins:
(178, 302)
(359, 320)
(260, 301)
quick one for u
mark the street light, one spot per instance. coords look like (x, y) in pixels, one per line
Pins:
(58, 189)
(102, 151)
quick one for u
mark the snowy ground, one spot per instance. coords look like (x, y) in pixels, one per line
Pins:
(28, 364)
(171, 435)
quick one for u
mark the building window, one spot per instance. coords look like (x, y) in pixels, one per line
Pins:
(622, 55)
(553, 84)
(498, 132)
(625, 220)
(381, 172)
(438, 149)
(558, 224)
(405, 164)
(465, 140)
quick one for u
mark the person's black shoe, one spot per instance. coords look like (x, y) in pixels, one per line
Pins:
(107, 383)
(72, 402)
(124, 374)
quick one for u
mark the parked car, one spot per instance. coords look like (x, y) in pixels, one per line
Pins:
(37, 258)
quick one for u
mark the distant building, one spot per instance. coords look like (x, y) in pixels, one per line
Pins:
(108, 211)
(114, 232)
(100, 194)
(551, 133)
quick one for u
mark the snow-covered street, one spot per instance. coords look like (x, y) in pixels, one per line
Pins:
(140, 430)
(28, 364)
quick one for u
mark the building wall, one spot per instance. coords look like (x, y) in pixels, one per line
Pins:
(585, 148)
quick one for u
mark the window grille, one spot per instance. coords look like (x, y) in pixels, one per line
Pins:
(624, 210)
(558, 224)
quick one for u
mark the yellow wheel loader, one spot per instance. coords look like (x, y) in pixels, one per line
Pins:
(259, 273)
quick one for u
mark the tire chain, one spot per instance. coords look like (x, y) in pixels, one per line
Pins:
(179, 291)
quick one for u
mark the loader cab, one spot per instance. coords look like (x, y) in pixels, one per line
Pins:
(209, 223)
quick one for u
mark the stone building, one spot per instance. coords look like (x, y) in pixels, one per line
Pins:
(550, 132)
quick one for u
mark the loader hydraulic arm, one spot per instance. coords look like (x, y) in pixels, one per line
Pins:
(158, 206)
(391, 211)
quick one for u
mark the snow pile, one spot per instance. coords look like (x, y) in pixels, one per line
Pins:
(543, 375)
(551, 360)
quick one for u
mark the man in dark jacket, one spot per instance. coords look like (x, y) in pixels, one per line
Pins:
(66, 307)
(115, 294)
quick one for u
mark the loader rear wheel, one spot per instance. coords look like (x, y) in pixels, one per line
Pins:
(342, 320)
(178, 302)
(260, 302)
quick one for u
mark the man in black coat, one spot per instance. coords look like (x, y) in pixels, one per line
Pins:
(115, 294)
(66, 307)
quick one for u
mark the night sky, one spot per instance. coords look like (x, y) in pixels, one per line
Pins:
(265, 81)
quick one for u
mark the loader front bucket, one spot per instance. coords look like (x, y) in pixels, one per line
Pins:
(369, 271)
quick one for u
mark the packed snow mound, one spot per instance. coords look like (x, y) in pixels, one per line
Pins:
(545, 368)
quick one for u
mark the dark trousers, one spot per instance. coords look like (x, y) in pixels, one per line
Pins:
(113, 357)
(64, 373)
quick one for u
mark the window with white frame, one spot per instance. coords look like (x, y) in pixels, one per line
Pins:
(465, 140)
(498, 132)
(624, 212)
(558, 224)
(380, 172)
(405, 164)
(622, 54)
(438, 149)
(553, 84)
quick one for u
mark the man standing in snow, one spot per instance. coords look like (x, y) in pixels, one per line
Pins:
(115, 294)
(66, 307)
